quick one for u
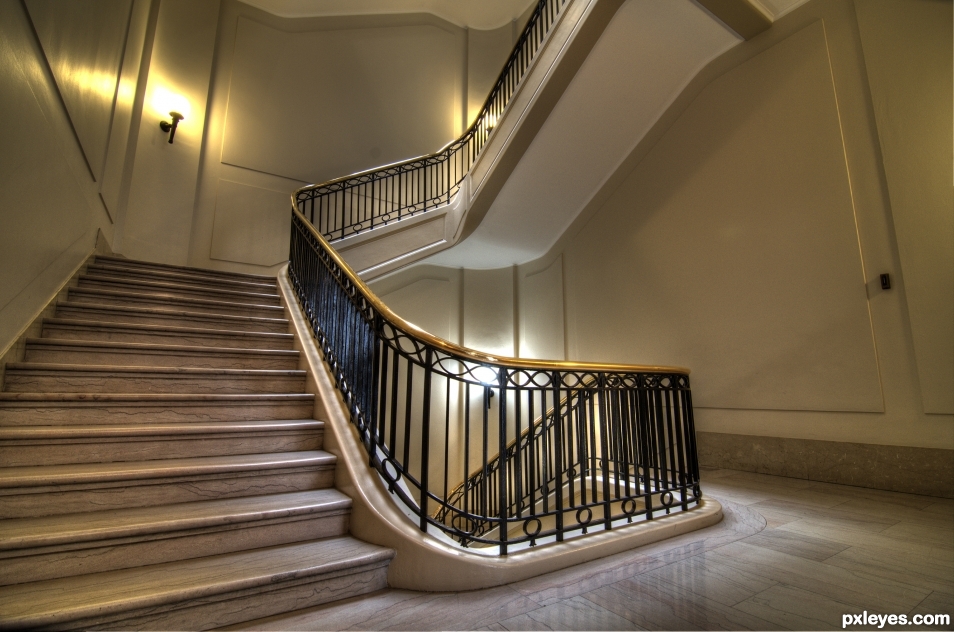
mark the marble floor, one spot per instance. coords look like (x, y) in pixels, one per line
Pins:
(790, 554)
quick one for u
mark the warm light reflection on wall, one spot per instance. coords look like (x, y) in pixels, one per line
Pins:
(165, 100)
(101, 83)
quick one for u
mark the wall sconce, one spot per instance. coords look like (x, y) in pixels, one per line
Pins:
(166, 126)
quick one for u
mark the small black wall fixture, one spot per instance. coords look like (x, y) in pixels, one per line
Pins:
(885, 281)
(171, 127)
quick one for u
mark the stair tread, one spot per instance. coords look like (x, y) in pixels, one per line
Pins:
(161, 287)
(120, 261)
(161, 312)
(54, 367)
(172, 275)
(113, 592)
(23, 533)
(75, 474)
(176, 299)
(12, 433)
(158, 348)
(182, 398)
(78, 323)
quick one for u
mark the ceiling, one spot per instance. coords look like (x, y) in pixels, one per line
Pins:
(476, 14)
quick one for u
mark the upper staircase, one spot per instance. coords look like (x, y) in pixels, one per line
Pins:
(160, 466)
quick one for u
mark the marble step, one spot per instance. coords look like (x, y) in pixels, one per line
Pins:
(140, 354)
(69, 329)
(145, 299)
(177, 290)
(202, 593)
(61, 445)
(172, 276)
(175, 318)
(36, 549)
(47, 490)
(38, 377)
(133, 264)
(40, 409)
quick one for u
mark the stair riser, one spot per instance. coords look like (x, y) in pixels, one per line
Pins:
(35, 414)
(134, 357)
(180, 292)
(36, 565)
(145, 300)
(65, 499)
(171, 321)
(13, 454)
(58, 332)
(245, 605)
(143, 266)
(16, 382)
(185, 279)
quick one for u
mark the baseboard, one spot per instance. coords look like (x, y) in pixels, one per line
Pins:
(927, 471)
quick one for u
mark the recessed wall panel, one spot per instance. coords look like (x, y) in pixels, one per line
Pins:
(319, 104)
(732, 247)
(252, 225)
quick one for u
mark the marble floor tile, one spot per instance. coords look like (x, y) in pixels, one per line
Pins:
(936, 603)
(718, 582)
(916, 569)
(838, 583)
(701, 612)
(944, 507)
(798, 609)
(575, 613)
(645, 613)
(893, 544)
(568, 583)
(830, 517)
(926, 534)
(767, 481)
(913, 501)
(809, 547)
(711, 473)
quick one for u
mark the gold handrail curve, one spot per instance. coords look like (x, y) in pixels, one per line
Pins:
(455, 349)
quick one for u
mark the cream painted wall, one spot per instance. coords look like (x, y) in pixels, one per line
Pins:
(86, 69)
(487, 51)
(162, 192)
(907, 45)
(57, 129)
(315, 99)
(376, 92)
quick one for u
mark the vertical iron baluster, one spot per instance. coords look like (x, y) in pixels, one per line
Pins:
(426, 436)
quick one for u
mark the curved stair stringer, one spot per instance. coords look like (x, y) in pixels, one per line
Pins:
(425, 562)
(394, 246)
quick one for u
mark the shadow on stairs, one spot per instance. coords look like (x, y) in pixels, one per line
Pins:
(160, 466)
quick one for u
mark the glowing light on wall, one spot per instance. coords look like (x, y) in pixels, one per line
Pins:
(101, 83)
(165, 100)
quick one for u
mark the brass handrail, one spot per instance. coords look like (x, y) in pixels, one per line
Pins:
(472, 354)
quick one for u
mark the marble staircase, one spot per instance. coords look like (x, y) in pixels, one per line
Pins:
(160, 466)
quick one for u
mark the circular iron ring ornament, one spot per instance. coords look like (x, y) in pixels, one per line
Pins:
(666, 499)
(387, 465)
(526, 525)
(696, 491)
(589, 516)
(629, 507)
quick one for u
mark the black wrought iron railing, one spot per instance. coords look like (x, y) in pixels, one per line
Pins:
(362, 201)
(492, 451)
